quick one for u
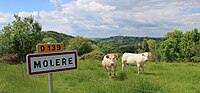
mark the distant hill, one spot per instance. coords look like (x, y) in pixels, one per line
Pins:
(58, 36)
(96, 39)
(114, 40)
(127, 40)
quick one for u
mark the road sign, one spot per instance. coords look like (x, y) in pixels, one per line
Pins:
(51, 62)
(41, 48)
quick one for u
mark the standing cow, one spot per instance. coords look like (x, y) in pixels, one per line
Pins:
(110, 62)
(135, 59)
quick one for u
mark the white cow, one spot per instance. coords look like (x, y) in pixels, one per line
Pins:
(110, 62)
(135, 59)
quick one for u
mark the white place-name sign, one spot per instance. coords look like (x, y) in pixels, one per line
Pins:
(51, 62)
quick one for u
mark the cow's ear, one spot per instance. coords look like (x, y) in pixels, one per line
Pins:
(107, 56)
(116, 56)
(142, 54)
(149, 54)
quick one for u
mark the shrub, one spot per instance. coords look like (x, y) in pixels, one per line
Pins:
(10, 58)
(195, 59)
(94, 55)
(80, 44)
(121, 76)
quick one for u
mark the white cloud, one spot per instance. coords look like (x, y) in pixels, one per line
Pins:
(91, 5)
(56, 2)
(103, 18)
(60, 28)
(57, 21)
(87, 5)
(25, 14)
(5, 18)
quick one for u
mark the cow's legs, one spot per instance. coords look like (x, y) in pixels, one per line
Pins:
(109, 73)
(138, 66)
(143, 69)
(114, 69)
(106, 69)
(122, 66)
(127, 66)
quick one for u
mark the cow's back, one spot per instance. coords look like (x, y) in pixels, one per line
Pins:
(133, 58)
(126, 55)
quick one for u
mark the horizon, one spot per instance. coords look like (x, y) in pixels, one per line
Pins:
(104, 19)
(111, 36)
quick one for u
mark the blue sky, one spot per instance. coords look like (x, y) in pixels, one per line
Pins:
(26, 5)
(105, 18)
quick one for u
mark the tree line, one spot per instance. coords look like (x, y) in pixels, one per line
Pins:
(23, 34)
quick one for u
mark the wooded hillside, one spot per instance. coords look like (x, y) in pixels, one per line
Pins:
(127, 40)
(21, 37)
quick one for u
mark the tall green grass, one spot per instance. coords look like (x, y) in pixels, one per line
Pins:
(91, 77)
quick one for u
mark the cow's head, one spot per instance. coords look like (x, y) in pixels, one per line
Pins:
(112, 58)
(145, 56)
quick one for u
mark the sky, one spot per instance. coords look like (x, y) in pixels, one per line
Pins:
(106, 18)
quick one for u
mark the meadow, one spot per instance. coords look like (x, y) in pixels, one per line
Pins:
(91, 77)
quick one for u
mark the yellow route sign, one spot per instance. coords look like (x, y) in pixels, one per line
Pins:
(58, 47)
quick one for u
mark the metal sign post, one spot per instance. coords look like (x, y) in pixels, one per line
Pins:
(50, 82)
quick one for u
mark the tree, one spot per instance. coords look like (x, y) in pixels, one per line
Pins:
(186, 46)
(152, 44)
(126, 48)
(21, 36)
(153, 49)
(145, 46)
(93, 55)
(106, 48)
(65, 42)
(176, 34)
(80, 44)
(195, 39)
(139, 48)
(49, 40)
(59, 37)
(6, 42)
(181, 47)
(189, 45)
(170, 49)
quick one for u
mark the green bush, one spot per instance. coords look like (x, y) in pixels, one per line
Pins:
(94, 55)
(195, 59)
(121, 76)
(10, 58)
(80, 44)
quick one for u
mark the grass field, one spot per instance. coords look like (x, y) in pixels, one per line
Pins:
(90, 77)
